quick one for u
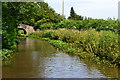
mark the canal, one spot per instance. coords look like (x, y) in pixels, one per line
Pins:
(38, 59)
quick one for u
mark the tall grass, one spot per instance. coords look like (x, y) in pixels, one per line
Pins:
(103, 44)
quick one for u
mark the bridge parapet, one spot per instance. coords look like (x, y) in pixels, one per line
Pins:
(22, 26)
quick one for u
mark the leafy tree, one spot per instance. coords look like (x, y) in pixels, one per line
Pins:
(9, 25)
(48, 15)
(72, 13)
(15, 13)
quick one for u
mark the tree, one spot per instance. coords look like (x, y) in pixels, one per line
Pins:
(74, 16)
(15, 13)
(9, 25)
(48, 15)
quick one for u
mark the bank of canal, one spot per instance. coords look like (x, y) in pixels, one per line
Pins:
(38, 59)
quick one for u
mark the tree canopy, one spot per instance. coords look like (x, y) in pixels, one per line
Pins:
(74, 16)
(30, 13)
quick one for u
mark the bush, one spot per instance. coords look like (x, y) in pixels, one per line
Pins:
(47, 35)
(46, 26)
(59, 44)
(98, 24)
(5, 54)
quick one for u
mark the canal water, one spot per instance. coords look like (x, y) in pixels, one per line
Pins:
(38, 59)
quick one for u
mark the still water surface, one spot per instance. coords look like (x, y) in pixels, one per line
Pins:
(38, 59)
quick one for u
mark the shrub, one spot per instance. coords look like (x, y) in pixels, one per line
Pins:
(98, 24)
(46, 26)
(5, 53)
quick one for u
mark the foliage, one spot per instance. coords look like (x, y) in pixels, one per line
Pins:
(31, 13)
(98, 24)
(20, 32)
(71, 50)
(14, 14)
(47, 35)
(103, 44)
(9, 25)
(74, 16)
(46, 26)
(5, 54)
(70, 24)
(61, 45)
(47, 15)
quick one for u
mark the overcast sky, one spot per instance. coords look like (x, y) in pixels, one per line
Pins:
(90, 8)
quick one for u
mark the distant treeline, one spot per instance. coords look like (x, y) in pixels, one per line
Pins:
(79, 22)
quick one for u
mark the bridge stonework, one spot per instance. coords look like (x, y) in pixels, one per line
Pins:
(26, 28)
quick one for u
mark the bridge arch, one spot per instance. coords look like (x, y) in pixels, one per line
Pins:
(25, 32)
(26, 28)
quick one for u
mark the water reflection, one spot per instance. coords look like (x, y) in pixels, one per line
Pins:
(38, 59)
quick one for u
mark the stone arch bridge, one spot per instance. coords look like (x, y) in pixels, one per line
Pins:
(26, 28)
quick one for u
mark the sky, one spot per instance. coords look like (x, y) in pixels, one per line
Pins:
(90, 8)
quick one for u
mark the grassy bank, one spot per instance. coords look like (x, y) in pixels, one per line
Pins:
(61, 45)
(74, 51)
(87, 43)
